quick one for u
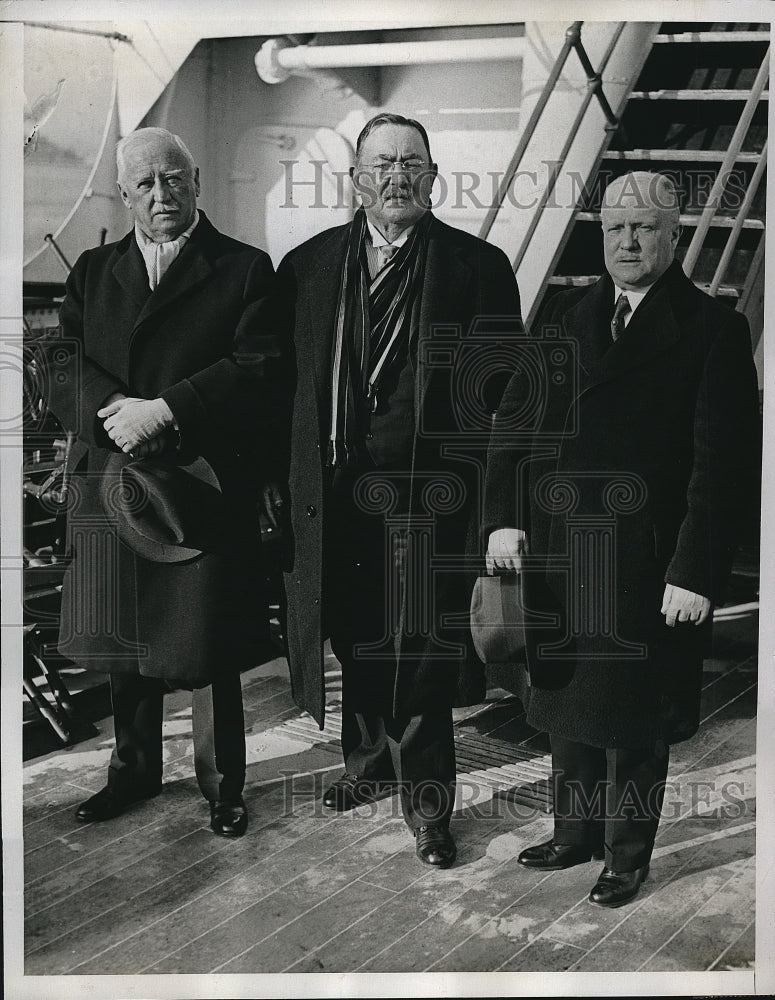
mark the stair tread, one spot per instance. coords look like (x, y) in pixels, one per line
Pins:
(689, 155)
(710, 94)
(713, 36)
(578, 280)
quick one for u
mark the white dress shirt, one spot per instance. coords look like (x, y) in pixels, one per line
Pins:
(373, 256)
(159, 256)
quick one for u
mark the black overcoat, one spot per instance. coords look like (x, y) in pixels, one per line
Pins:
(470, 311)
(182, 621)
(631, 472)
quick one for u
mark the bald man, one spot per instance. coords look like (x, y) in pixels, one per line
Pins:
(620, 508)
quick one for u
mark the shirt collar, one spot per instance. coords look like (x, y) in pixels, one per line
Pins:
(634, 298)
(145, 241)
(378, 240)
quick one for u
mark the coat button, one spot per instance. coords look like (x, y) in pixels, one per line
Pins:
(311, 511)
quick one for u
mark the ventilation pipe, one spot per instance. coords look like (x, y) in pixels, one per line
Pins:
(278, 58)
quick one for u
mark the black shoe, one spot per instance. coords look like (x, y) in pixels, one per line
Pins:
(108, 803)
(349, 791)
(229, 817)
(552, 857)
(615, 888)
(435, 846)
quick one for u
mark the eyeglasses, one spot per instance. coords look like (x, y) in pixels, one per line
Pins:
(383, 167)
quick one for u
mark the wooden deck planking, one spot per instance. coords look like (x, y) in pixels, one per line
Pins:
(313, 928)
(55, 934)
(279, 906)
(307, 892)
(79, 878)
(159, 919)
(716, 925)
(739, 954)
(248, 872)
(542, 955)
(686, 880)
(417, 892)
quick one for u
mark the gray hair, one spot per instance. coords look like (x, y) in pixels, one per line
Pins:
(152, 132)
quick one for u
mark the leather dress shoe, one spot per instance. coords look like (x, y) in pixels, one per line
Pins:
(229, 817)
(108, 803)
(552, 857)
(349, 791)
(435, 846)
(615, 888)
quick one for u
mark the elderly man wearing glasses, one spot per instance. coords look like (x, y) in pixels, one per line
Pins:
(384, 496)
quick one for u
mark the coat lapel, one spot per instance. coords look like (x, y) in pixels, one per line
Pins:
(322, 301)
(190, 269)
(446, 278)
(129, 271)
(652, 330)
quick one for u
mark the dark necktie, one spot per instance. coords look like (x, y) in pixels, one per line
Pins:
(617, 320)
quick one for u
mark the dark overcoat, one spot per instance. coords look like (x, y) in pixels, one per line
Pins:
(469, 310)
(181, 621)
(633, 474)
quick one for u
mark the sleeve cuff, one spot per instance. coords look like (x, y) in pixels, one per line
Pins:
(188, 412)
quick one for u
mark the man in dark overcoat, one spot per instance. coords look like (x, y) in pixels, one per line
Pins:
(620, 507)
(383, 487)
(160, 368)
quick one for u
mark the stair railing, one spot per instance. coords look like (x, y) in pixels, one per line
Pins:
(737, 227)
(594, 89)
(725, 170)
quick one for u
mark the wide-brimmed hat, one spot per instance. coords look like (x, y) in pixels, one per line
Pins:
(165, 509)
(497, 619)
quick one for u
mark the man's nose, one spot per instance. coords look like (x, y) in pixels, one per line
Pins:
(629, 237)
(160, 189)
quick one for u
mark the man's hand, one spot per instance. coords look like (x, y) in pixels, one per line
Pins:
(505, 549)
(684, 606)
(130, 421)
(162, 442)
(273, 503)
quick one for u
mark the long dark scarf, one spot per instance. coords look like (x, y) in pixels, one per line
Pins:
(372, 327)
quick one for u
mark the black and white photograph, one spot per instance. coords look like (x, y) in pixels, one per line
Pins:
(455, 309)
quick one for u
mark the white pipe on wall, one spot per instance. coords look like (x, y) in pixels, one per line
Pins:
(277, 58)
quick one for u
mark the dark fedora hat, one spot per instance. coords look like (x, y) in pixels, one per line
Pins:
(497, 619)
(165, 509)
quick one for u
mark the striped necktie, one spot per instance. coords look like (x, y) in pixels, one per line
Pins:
(617, 320)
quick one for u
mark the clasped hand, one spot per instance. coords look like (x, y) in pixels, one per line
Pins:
(133, 423)
(507, 546)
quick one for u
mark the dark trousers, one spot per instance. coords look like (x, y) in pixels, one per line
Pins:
(416, 749)
(609, 797)
(218, 729)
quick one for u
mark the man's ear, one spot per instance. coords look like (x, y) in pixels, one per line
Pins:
(196, 181)
(124, 195)
(676, 234)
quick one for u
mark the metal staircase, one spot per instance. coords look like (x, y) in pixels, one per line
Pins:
(698, 112)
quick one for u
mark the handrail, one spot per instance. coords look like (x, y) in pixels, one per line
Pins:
(594, 85)
(736, 144)
(737, 228)
(570, 139)
(48, 238)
